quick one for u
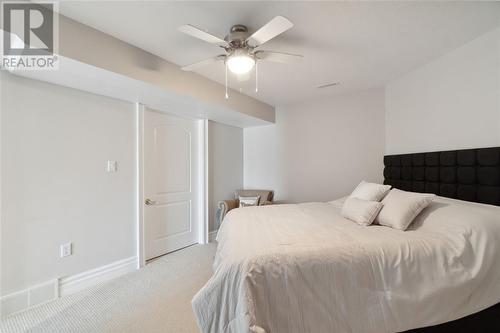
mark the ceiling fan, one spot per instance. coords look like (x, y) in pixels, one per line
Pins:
(240, 47)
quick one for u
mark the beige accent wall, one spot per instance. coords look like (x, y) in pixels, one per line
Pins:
(91, 46)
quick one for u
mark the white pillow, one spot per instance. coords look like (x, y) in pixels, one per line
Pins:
(401, 208)
(249, 201)
(361, 211)
(370, 191)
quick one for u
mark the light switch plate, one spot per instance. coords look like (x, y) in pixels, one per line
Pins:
(112, 166)
(66, 250)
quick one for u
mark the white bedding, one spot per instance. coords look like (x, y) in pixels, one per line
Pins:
(304, 268)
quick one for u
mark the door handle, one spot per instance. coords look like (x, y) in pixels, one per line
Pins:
(149, 202)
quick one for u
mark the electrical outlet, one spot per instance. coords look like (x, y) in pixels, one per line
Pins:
(66, 250)
(112, 166)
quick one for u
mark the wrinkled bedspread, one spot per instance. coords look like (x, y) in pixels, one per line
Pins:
(304, 268)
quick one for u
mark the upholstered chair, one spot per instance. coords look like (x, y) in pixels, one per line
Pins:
(223, 207)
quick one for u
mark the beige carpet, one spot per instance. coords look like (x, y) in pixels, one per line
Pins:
(154, 299)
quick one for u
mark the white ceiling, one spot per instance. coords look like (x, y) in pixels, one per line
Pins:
(360, 44)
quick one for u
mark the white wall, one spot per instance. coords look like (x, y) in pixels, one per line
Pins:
(319, 150)
(55, 143)
(225, 148)
(450, 103)
(55, 189)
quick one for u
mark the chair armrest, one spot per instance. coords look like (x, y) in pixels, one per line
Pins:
(225, 206)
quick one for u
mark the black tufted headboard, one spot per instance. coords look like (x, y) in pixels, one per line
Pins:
(470, 175)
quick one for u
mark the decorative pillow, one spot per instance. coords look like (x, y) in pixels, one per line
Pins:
(370, 191)
(249, 201)
(362, 212)
(401, 207)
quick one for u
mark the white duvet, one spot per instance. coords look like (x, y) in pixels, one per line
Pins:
(304, 268)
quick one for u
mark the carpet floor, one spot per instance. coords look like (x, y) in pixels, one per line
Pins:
(154, 299)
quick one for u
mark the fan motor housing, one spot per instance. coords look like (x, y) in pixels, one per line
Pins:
(237, 35)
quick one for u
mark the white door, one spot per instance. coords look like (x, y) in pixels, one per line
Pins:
(171, 182)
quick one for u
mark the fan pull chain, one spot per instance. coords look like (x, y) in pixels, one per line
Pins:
(227, 96)
(256, 77)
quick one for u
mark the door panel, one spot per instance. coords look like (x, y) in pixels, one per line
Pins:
(171, 182)
(177, 177)
(172, 219)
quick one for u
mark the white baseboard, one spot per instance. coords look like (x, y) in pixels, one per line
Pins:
(212, 235)
(35, 295)
(75, 283)
(50, 290)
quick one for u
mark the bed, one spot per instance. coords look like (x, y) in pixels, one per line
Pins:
(304, 268)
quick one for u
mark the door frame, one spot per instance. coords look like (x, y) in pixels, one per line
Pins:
(140, 110)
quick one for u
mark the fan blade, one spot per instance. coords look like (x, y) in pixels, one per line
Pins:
(271, 29)
(200, 34)
(285, 58)
(202, 63)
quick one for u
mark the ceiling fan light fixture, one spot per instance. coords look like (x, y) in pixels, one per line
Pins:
(240, 56)
(240, 62)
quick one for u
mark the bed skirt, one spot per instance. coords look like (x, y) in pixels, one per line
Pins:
(485, 321)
